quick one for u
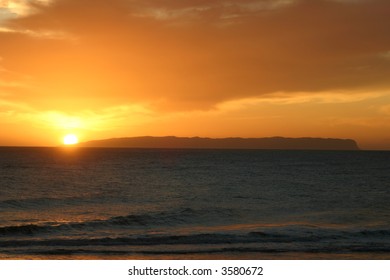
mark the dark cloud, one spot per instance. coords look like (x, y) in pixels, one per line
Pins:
(194, 54)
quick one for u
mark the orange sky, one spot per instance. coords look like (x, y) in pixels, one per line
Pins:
(216, 68)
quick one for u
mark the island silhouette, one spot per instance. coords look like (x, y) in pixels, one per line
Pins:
(274, 143)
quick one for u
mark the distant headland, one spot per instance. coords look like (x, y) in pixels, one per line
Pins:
(271, 143)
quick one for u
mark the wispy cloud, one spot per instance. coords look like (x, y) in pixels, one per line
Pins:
(301, 98)
(106, 119)
(20, 7)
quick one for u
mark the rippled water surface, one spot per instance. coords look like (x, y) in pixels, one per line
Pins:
(129, 203)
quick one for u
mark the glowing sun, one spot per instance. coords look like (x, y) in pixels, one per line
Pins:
(70, 139)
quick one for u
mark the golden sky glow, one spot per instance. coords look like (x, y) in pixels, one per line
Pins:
(103, 69)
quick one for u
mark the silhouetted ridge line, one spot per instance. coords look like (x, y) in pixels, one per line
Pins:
(276, 143)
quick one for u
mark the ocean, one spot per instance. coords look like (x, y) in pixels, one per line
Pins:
(100, 203)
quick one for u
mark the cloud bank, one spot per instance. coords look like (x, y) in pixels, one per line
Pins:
(191, 54)
(194, 67)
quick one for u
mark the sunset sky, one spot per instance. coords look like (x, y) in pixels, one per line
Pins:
(215, 68)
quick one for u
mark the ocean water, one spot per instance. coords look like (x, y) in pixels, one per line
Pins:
(80, 203)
